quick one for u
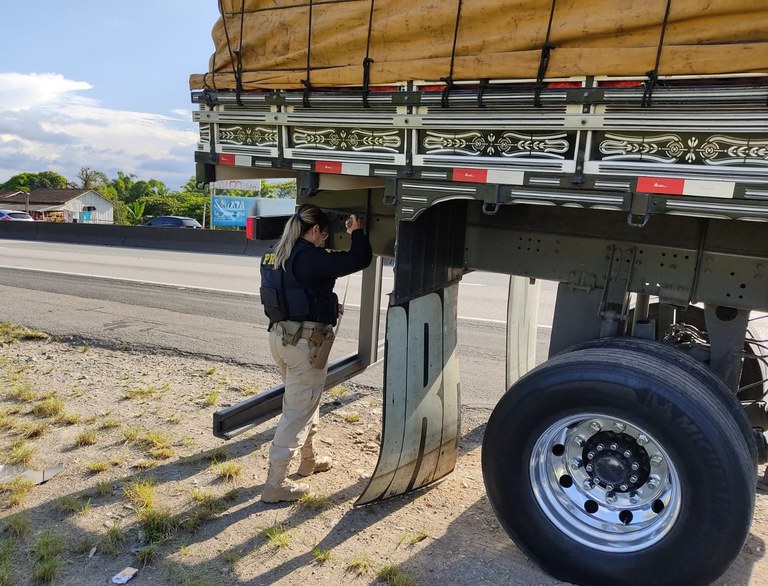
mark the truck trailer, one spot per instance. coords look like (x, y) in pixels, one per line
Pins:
(616, 147)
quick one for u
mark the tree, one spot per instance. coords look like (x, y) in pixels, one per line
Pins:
(123, 184)
(89, 178)
(146, 188)
(29, 181)
(136, 212)
(282, 189)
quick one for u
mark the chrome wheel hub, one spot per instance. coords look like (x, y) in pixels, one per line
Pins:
(605, 482)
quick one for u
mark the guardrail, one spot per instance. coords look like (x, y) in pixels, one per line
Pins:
(214, 241)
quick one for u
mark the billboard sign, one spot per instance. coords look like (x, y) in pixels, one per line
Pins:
(231, 211)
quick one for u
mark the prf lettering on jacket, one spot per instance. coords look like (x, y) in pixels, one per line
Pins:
(269, 259)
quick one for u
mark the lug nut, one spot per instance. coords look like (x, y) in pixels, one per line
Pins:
(627, 453)
(633, 498)
(590, 455)
(633, 479)
(609, 487)
(656, 459)
(614, 446)
(595, 426)
(624, 487)
(610, 498)
(576, 462)
(642, 439)
(635, 466)
(589, 467)
(600, 447)
(578, 440)
(619, 427)
(653, 482)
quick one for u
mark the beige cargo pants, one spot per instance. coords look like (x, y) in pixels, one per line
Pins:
(301, 401)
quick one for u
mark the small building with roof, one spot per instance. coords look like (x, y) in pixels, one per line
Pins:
(85, 206)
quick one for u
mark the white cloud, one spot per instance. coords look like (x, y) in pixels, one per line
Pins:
(46, 125)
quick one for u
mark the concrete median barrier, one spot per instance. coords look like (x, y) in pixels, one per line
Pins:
(213, 241)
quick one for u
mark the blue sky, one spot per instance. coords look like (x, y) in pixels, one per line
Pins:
(102, 84)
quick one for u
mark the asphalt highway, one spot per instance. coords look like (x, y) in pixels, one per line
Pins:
(207, 304)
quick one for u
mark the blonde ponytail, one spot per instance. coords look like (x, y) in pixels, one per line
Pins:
(298, 224)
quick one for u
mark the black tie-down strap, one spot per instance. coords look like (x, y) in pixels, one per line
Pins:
(653, 75)
(546, 51)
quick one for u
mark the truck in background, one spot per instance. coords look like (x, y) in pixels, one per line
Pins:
(617, 147)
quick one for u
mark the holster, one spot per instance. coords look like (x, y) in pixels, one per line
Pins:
(291, 332)
(320, 343)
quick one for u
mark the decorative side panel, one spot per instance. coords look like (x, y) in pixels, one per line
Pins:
(356, 140)
(247, 135)
(500, 144)
(734, 150)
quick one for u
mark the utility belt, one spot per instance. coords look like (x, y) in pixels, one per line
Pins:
(320, 337)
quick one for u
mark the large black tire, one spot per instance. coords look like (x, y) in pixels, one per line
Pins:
(693, 367)
(681, 519)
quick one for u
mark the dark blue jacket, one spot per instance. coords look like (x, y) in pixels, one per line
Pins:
(305, 288)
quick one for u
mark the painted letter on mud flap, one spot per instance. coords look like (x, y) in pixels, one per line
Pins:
(421, 396)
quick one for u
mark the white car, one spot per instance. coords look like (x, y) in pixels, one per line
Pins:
(15, 216)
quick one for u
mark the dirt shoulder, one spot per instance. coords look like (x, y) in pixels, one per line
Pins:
(145, 484)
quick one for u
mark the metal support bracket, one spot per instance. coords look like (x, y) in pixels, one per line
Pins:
(614, 304)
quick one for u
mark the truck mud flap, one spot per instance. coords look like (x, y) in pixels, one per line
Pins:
(422, 412)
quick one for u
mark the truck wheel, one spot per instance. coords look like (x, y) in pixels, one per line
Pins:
(610, 466)
(694, 368)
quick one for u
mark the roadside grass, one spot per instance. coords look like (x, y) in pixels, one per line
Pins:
(47, 548)
(49, 407)
(228, 471)
(110, 423)
(97, 467)
(352, 418)
(7, 573)
(413, 538)
(22, 392)
(277, 536)
(321, 555)
(158, 524)
(141, 493)
(211, 398)
(338, 392)
(86, 438)
(14, 332)
(313, 501)
(18, 524)
(360, 565)
(395, 576)
(112, 540)
(72, 504)
(30, 430)
(139, 393)
(68, 419)
(16, 490)
(104, 487)
(155, 443)
(20, 453)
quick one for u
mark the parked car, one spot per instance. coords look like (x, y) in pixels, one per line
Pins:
(15, 216)
(173, 222)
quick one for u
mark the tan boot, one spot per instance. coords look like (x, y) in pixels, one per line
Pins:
(309, 466)
(278, 488)
(311, 462)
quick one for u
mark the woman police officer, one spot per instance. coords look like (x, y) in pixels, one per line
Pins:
(297, 293)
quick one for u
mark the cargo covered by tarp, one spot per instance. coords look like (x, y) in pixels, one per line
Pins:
(271, 43)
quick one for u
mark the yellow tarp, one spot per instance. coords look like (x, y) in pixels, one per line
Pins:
(497, 39)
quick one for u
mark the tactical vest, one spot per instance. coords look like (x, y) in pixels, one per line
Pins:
(284, 298)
